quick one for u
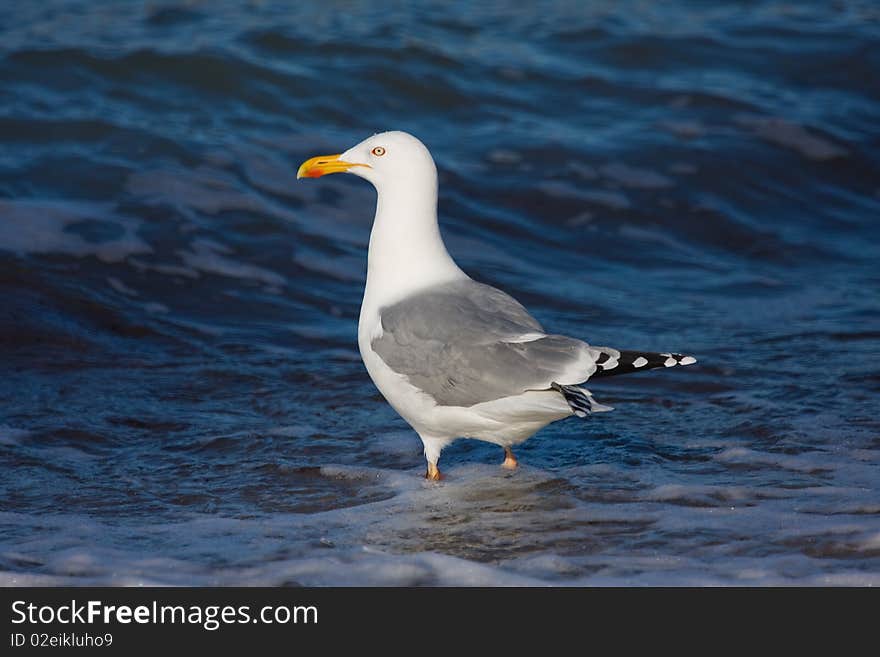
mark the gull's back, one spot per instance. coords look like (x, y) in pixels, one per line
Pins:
(465, 343)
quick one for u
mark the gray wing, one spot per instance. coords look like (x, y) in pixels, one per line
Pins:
(462, 343)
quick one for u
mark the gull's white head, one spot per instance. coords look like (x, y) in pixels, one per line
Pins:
(406, 248)
(389, 158)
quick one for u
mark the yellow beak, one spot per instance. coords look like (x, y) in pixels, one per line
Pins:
(324, 164)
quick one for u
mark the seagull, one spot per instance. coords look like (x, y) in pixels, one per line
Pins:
(454, 357)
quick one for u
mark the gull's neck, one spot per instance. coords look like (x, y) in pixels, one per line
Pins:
(406, 250)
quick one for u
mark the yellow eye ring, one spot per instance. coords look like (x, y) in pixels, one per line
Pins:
(378, 151)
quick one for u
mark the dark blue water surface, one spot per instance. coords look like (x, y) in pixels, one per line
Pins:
(181, 396)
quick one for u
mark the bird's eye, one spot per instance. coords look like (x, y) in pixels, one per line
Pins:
(378, 151)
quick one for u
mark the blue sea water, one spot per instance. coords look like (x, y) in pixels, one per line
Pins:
(181, 396)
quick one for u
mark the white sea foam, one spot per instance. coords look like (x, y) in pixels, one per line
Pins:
(205, 189)
(210, 257)
(44, 227)
(745, 456)
(419, 532)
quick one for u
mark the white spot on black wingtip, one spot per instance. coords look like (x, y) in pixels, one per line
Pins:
(670, 362)
(606, 361)
(641, 361)
(687, 360)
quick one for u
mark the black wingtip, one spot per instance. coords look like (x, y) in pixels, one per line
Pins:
(636, 361)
